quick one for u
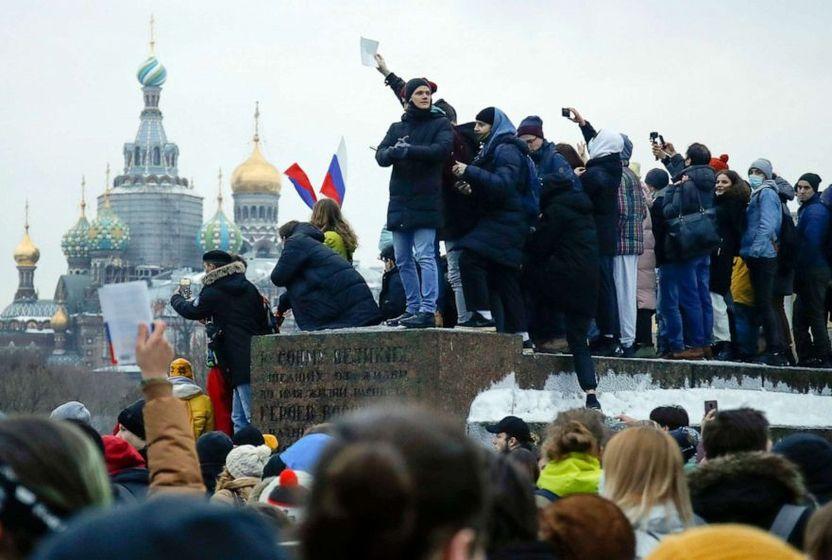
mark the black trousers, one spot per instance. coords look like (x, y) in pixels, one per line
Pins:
(577, 328)
(606, 317)
(489, 286)
(644, 327)
(762, 272)
(809, 313)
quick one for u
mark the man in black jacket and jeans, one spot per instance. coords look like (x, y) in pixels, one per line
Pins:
(417, 147)
(238, 311)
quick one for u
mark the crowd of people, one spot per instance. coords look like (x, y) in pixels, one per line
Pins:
(407, 483)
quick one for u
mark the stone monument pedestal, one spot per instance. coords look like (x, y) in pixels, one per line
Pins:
(304, 379)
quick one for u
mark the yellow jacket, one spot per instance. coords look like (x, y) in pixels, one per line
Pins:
(334, 241)
(741, 290)
(200, 411)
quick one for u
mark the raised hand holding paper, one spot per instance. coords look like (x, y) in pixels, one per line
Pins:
(369, 48)
(125, 307)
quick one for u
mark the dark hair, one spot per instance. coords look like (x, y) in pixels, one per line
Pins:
(512, 515)
(287, 229)
(393, 483)
(448, 109)
(670, 417)
(698, 154)
(570, 154)
(733, 431)
(739, 188)
(587, 526)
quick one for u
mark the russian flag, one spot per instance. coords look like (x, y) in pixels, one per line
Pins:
(302, 184)
(335, 181)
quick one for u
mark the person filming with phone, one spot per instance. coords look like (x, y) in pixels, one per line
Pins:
(238, 312)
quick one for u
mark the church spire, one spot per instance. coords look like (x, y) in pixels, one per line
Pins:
(152, 35)
(26, 255)
(256, 121)
(83, 197)
(107, 186)
(219, 189)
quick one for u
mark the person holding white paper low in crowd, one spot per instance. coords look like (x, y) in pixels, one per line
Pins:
(238, 311)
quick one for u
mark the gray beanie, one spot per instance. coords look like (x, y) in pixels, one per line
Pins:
(72, 410)
(247, 460)
(763, 165)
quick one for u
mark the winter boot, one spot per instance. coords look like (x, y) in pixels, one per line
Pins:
(394, 322)
(592, 401)
(422, 320)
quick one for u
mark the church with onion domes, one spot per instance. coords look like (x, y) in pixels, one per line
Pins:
(148, 226)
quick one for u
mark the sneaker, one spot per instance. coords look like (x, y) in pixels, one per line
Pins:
(421, 320)
(592, 401)
(477, 321)
(528, 345)
(395, 321)
(813, 362)
(688, 354)
(722, 352)
(628, 351)
(777, 359)
(606, 347)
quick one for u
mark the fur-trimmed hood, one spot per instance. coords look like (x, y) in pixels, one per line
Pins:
(768, 467)
(222, 272)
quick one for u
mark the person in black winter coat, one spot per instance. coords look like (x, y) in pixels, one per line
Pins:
(238, 312)
(750, 488)
(492, 253)
(322, 289)
(417, 147)
(732, 196)
(563, 270)
(657, 180)
(601, 181)
(391, 299)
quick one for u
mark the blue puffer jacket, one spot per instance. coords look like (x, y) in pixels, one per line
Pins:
(764, 217)
(497, 176)
(812, 234)
(548, 161)
(323, 290)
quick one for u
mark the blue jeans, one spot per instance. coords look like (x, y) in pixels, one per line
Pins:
(703, 281)
(241, 406)
(411, 246)
(681, 303)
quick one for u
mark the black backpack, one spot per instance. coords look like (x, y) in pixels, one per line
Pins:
(787, 249)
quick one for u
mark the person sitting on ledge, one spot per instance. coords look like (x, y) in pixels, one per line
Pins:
(322, 289)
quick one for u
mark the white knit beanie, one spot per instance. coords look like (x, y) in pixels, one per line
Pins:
(247, 460)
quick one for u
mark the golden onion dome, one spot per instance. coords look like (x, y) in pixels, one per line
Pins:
(60, 320)
(26, 253)
(256, 175)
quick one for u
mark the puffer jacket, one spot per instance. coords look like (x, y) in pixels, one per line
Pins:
(577, 473)
(601, 182)
(812, 232)
(497, 177)
(748, 488)
(563, 251)
(171, 449)
(200, 410)
(646, 279)
(236, 309)
(547, 161)
(742, 291)
(763, 219)
(730, 221)
(687, 197)
(322, 289)
(416, 181)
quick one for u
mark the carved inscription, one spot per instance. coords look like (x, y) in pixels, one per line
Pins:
(303, 387)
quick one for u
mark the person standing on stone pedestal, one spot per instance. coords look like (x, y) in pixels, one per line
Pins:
(417, 148)
(492, 252)
(236, 308)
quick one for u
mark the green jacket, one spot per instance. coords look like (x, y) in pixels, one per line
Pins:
(577, 473)
(335, 242)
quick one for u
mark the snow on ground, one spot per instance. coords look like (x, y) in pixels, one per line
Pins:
(782, 409)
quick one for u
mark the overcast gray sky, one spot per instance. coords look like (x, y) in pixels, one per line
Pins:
(749, 78)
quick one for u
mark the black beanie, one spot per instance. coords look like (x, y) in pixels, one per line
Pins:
(132, 418)
(486, 115)
(413, 85)
(248, 436)
(811, 178)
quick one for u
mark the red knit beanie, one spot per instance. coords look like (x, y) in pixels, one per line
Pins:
(719, 164)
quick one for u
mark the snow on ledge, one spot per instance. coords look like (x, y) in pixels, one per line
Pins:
(781, 409)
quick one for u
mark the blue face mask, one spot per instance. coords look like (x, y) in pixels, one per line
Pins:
(755, 181)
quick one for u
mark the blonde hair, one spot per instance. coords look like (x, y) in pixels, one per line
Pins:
(643, 469)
